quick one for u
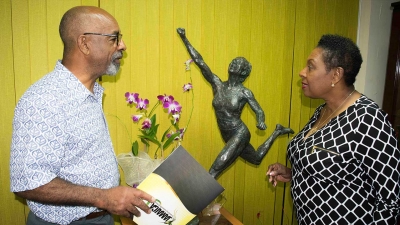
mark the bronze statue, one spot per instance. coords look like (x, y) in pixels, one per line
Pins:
(229, 99)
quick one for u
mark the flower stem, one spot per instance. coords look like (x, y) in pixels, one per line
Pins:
(154, 107)
(123, 124)
(191, 111)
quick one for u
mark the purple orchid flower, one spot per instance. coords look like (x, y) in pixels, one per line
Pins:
(165, 98)
(142, 104)
(181, 131)
(176, 117)
(131, 97)
(137, 117)
(146, 124)
(179, 137)
(173, 107)
(187, 87)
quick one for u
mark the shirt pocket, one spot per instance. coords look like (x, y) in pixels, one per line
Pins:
(323, 163)
(316, 149)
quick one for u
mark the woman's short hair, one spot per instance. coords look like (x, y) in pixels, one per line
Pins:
(339, 51)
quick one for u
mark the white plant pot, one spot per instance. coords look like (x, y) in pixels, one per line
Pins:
(136, 168)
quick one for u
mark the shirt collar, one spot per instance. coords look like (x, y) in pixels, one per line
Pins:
(82, 92)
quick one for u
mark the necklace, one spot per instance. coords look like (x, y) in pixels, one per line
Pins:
(314, 129)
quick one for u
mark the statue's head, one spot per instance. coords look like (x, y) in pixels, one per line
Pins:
(240, 66)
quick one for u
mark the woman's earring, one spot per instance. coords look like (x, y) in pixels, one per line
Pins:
(332, 85)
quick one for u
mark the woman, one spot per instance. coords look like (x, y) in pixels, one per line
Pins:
(229, 99)
(345, 161)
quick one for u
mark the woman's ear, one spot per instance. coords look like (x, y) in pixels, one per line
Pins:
(83, 44)
(338, 74)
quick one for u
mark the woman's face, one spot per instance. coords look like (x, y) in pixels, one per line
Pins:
(316, 81)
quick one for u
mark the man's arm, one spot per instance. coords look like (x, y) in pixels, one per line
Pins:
(118, 200)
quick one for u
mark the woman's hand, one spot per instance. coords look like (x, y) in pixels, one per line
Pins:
(278, 172)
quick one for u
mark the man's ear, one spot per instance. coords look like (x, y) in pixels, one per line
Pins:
(83, 44)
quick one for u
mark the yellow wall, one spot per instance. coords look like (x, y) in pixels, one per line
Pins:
(276, 36)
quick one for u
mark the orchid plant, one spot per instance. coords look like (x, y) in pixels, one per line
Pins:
(149, 127)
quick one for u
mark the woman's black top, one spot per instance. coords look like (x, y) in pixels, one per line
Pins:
(348, 171)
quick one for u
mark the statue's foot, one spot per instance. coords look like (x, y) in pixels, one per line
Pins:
(283, 130)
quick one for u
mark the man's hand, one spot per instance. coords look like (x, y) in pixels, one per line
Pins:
(278, 172)
(125, 201)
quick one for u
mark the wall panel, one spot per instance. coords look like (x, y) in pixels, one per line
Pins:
(11, 205)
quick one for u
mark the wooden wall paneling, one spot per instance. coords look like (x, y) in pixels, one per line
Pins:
(137, 57)
(221, 62)
(22, 63)
(254, 178)
(233, 42)
(171, 71)
(279, 48)
(127, 80)
(207, 133)
(38, 37)
(199, 146)
(152, 76)
(347, 25)
(12, 209)
(23, 76)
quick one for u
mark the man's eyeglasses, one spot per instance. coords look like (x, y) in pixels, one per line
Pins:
(118, 37)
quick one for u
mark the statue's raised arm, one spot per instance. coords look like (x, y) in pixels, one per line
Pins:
(198, 59)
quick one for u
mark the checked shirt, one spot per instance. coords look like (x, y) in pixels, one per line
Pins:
(59, 130)
(348, 171)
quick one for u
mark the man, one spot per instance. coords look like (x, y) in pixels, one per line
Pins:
(62, 159)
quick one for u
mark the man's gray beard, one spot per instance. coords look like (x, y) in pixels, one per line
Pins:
(113, 68)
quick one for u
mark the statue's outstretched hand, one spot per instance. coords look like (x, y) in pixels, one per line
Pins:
(181, 32)
(261, 126)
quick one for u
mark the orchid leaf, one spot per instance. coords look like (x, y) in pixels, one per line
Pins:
(153, 119)
(165, 134)
(153, 130)
(175, 125)
(151, 139)
(145, 142)
(135, 148)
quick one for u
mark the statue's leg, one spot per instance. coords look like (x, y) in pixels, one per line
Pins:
(227, 156)
(255, 157)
